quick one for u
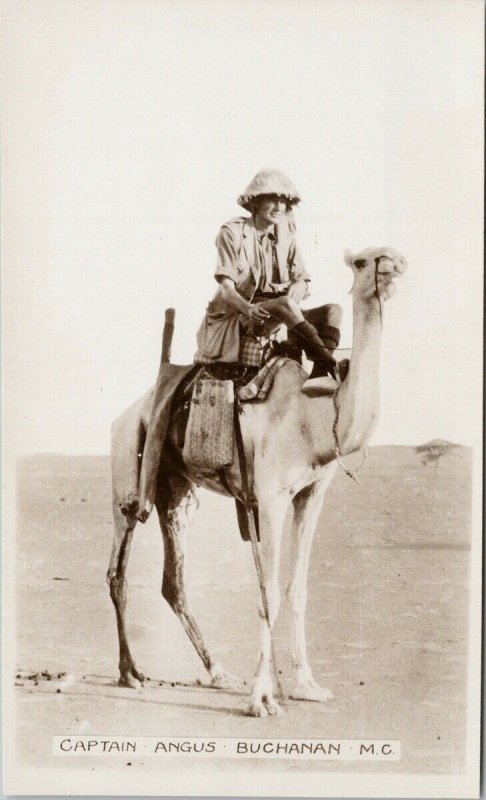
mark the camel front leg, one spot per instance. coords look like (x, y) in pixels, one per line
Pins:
(271, 517)
(176, 504)
(124, 526)
(307, 507)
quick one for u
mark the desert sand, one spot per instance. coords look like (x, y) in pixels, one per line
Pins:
(386, 622)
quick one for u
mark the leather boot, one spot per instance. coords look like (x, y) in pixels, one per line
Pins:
(317, 349)
(331, 336)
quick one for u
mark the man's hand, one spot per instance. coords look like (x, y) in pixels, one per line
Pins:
(257, 313)
(297, 291)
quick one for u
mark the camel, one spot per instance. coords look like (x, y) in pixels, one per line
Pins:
(293, 442)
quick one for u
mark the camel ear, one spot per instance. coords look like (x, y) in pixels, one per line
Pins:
(348, 258)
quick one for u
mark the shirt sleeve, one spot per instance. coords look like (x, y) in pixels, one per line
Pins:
(227, 259)
(297, 269)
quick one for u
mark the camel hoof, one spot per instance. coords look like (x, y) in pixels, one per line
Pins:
(311, 691)
(131, 680)
(264, 708)
(223, 680)
(273, 709)
(256, 710)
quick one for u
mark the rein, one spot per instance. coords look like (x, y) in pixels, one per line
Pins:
(353, 474)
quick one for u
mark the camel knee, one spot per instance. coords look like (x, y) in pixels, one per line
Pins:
(118, 589)
(117, 585)
(129, 505)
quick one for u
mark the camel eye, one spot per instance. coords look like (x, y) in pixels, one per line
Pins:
(360, 263)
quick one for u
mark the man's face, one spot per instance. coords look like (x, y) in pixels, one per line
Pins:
(270, 208)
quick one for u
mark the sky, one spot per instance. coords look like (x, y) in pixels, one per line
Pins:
(131, 126)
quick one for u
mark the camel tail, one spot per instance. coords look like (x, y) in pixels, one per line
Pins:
(167, 335)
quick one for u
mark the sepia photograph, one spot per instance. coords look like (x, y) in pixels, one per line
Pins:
(242, 335)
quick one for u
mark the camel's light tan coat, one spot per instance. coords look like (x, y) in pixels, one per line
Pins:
(290, 444)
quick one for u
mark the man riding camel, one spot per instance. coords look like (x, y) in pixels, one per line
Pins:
(262, 282)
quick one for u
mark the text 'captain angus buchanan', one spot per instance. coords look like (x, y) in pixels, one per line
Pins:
(227, 747)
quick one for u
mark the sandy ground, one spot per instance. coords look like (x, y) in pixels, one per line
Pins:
(387, 616)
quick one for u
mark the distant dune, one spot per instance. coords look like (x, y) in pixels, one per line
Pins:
(377, 451)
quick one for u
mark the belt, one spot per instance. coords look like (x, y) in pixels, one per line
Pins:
(258, 297)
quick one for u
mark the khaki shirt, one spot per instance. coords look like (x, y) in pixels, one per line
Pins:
(251, 266)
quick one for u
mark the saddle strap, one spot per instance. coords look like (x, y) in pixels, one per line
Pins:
(240, 447)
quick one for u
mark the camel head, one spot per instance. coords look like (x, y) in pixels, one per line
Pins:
(374, 270)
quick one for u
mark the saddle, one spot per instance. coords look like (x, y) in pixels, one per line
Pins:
(216, 393)
(205, 411)
(214, 410)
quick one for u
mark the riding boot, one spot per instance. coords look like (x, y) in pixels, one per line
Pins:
(318, 349)
(329, 336)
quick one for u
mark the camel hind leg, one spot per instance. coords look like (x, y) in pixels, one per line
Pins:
(124, 527)
(127, 439)
(128, 434)
(176, 503)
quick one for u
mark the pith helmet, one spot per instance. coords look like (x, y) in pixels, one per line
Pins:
(269, 181)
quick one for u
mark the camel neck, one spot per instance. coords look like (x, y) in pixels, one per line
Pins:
(358, 399)
(367, 328)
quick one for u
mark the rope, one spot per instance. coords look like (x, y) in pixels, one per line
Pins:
(353, 474)
(377, 294)
(254, 546)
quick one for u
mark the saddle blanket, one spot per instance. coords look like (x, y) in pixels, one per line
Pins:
(259, 386)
